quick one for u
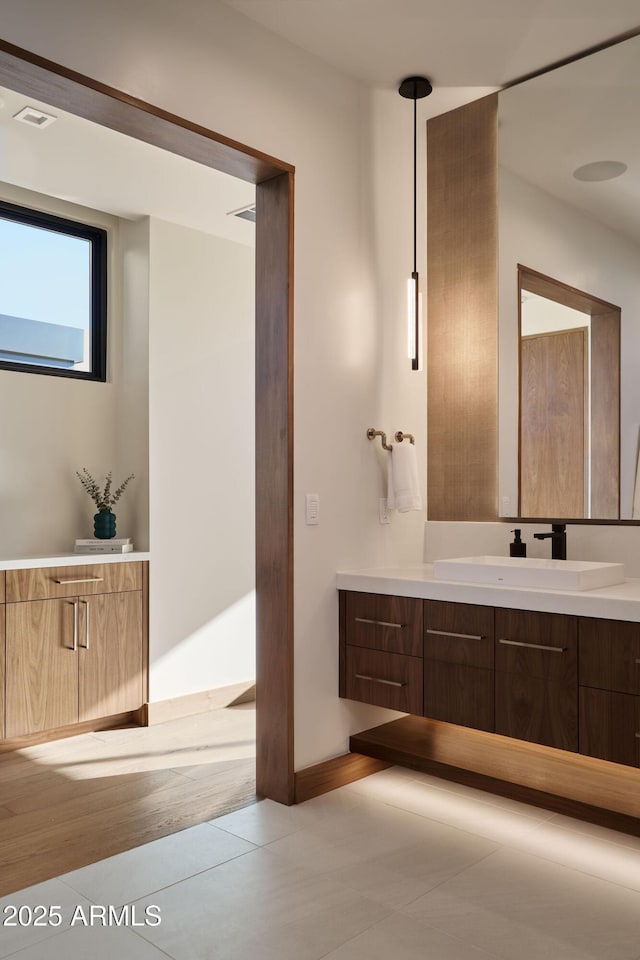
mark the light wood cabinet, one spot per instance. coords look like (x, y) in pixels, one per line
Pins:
(77, 658)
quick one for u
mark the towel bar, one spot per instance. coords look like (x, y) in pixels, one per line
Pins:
(399, 437)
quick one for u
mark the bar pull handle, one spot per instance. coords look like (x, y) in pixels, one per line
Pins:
(388, 683)
(381, 623)
(532, 646)
(86, 624)
(458, 636)
(638, 736)
(80, 580)
(75, 627)
(637, 659)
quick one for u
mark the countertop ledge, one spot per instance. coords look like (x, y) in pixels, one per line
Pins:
(70, 560)
(619, 602)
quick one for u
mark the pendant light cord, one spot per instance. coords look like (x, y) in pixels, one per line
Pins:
(415, 182)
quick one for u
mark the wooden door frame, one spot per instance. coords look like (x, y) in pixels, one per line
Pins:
(274, 179)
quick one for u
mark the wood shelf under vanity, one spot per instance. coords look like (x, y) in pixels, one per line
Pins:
(593, 790)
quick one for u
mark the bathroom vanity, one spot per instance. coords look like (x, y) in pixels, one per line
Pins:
(73, 645)
(513, 683)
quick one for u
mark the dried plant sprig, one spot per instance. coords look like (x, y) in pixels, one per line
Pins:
(104, 499)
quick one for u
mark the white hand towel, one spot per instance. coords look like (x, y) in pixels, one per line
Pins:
(403, 487)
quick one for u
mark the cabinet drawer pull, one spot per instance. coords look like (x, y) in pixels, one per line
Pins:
(638, 736)
(381, 623)
(80, 580)
(637, 659)
(532, 646)
(458, 636)
(75, 626)
(389, 683)
(86, 624)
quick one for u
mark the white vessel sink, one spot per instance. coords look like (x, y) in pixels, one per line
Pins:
(531, 572)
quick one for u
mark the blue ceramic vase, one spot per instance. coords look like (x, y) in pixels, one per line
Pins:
(104, 525)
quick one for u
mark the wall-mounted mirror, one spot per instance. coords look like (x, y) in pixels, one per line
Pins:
(569, 212)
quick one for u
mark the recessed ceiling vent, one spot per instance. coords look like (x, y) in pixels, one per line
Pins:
(34, 117)
(244, 213)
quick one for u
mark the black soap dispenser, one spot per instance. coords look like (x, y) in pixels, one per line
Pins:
(517, 548)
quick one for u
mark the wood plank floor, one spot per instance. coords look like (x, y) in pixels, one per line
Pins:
(72, 802)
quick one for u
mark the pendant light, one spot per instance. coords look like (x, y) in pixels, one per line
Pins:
(414, 88)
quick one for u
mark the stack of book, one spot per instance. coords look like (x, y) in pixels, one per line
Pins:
(115, 545)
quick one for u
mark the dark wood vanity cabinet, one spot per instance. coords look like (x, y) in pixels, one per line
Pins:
(609, 679)
(536, 661)
(458, 664)
(561, 681)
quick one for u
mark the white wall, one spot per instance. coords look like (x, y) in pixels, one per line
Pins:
(206, 62)
(53, 426)
(557, 239)
(202, 462)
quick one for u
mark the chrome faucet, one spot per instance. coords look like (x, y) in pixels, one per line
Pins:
(558, 540)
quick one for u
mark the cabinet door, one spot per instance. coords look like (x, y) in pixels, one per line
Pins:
(459, 694)
(536, 677)
(610, 655)
(610, 726)
(41, 666)
(110, 654)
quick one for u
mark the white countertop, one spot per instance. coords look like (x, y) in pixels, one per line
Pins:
(619, 602)
(70, 560)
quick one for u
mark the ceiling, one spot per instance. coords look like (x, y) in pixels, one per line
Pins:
(584, 113)
(456, 43)
(462, 45)
(85, 163)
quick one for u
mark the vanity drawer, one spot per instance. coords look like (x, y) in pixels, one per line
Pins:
(609, 654)
(45, 583)
(458, 633)
(610, 726)
(543, 645)
(380, 622)
(384, 679)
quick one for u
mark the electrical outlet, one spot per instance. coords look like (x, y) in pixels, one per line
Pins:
(383, 506)
(506, 506)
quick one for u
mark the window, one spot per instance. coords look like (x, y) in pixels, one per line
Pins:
(53, 294)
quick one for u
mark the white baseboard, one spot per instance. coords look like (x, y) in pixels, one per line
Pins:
(201, 702)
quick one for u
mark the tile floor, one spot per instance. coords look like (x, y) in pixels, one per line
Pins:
(400, 866)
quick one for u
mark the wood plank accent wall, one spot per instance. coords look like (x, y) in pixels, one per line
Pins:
(462, 305)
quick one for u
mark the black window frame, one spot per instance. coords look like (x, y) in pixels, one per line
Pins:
(97, 237)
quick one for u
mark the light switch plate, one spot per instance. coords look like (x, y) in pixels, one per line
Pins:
(312, 508)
